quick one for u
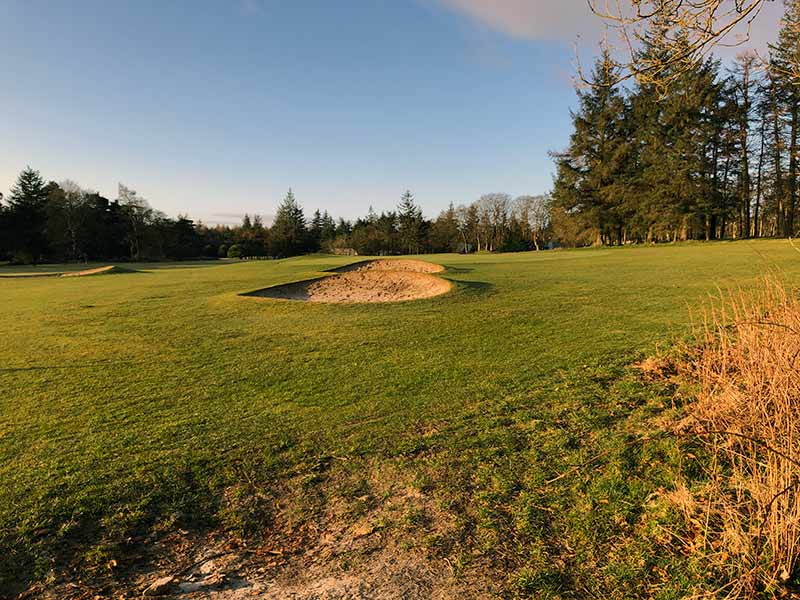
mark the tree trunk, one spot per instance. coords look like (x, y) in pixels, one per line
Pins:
(776, 154)
(792, 169)
(763, 131)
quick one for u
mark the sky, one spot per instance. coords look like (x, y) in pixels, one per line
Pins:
(215, 108)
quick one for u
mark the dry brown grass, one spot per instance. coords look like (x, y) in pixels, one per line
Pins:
(747, 516)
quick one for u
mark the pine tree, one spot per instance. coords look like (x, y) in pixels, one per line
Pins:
(328, 228)
(679, 137)
(591, 171)
(444, 234)
(288, 233)
(410, 224)
(315, 232)
(744, 87)
(27, 217)
(784, 58)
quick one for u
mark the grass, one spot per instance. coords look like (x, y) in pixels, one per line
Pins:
(748, 507)
(165, 399)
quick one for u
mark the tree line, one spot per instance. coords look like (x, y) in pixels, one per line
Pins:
(713, 155)
(47, 221)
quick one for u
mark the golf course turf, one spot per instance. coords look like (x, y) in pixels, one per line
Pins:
(136, 403)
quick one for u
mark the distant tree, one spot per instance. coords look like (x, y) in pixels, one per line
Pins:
(328, 229)
(743, 91)
(235, 251)
(386, 231)
(533, 215)
(590, 170)
(410, 224)
(27, 216)
(343, 228)
(222, 251)
(105, 228)
(289, 235)
(186, 242)
(493, 212)
(67, 213)
(5, 233)
(315, 232)
(784, 71)
(138, 217)
(445, 235)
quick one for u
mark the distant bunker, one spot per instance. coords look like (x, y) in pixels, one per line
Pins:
(366, 282)
(109, 270)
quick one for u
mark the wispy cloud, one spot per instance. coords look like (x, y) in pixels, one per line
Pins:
(547, 20)
(250, 7)
(572, 20)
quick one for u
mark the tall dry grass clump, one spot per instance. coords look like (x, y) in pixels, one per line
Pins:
(747, 415)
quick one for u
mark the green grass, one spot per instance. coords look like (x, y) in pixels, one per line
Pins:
(133, 402)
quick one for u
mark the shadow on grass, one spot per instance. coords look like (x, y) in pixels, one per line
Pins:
(473, 288)
(295, 290)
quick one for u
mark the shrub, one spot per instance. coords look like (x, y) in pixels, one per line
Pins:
(747, 512)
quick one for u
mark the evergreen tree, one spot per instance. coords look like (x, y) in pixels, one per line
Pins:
(315, 232)
(288, 233)
(678, 134)
(27, 216)
(328, 229)
(410, 224)
(743, 90)
(444, 234)
(591, 172)
(386, 227)
(784, 58)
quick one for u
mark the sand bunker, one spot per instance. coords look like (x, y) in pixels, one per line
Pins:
(109, 270)
(365, 282)
(98, 271)
(402, 265)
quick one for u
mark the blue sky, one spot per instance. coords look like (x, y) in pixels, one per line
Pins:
(215, 108)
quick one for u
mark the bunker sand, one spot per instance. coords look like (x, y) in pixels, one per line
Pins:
(398, 265)
(373, 281)
(109, 270)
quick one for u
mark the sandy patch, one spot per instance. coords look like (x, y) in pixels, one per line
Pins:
(98, 271)
(107, 270)
(28, 275)
(367, 282)
(400, 264)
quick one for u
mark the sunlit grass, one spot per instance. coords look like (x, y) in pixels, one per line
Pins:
(136, 399)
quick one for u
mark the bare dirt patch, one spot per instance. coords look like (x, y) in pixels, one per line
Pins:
(386, 541)
(367, 282)
(362, 548)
